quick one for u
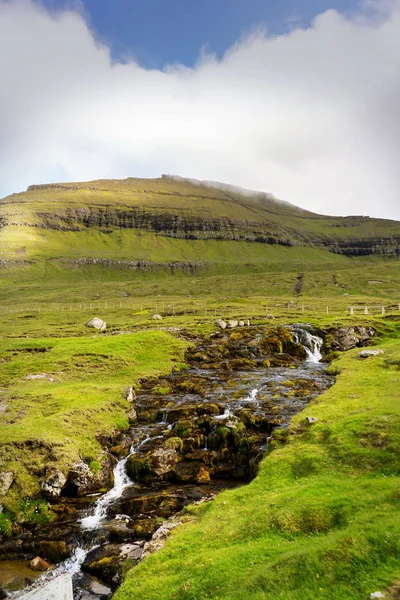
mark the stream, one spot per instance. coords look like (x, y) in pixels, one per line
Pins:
(196, 433)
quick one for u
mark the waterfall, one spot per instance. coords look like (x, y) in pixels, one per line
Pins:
(311, 343)
(121, 481)
(227, 415)
(252, 396)
(314, 354)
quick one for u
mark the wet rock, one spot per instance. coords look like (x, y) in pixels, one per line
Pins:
(368, 353)
(53, 483)
(39, 564)
(132, 415)
(164, 460)
(221, 324)
(120, 531)
(107, 561)
(203, 476)
(280, 340)
(55, 551)
(6, 480)
(97, 323)
(160, 537)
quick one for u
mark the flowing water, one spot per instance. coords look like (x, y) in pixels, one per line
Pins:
(271, 396)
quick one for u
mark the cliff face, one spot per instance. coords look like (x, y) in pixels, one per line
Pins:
(188, 210)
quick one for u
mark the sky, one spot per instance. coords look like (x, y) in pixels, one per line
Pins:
(300, 99)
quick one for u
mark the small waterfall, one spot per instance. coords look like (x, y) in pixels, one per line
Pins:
(73, 565)
(314, 354)
(227, 415)
(252, 396)
(312, 343)
(164, 418)
(121, 481)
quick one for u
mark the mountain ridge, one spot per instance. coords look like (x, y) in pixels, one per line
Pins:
(175, 207)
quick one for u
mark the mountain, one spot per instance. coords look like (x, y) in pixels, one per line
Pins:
(143, 229)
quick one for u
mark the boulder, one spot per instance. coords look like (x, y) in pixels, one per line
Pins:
(368, 353)
(132, 415)
(241, 323)
(157, 317)
(270, 317)
(36, 376)
(232, 324)
(311, 420)
(97, 323)
(221, 324)
(53, 483)
(164, 460)
(39, 564)
(6, 479)
(55, 551)
(81, 476)
(346, 338)
(160, 537)
(130, 394)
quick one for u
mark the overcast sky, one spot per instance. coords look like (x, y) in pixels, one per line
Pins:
(310, 114)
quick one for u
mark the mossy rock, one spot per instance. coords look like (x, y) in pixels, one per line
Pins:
(174, 443)
(139, 468)
(242, 364)
(222, 437)
(184, 429)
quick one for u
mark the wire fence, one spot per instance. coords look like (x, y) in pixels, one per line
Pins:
(203, 308)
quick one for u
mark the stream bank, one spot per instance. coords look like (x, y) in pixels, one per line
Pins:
(194, 434)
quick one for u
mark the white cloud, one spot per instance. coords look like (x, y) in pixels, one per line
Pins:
(312, 116)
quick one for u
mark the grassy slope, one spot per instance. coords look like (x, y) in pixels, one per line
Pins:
(62, 418)
(37, 258)
(321, 520)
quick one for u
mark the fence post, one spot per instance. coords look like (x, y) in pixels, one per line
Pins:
(366, 310)
(352, 310)
(327, 310)
(383, 310)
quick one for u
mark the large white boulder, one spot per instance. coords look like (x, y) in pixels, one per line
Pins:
(97, 323)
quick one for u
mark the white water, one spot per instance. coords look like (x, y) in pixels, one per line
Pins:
(252, 396)
(311, 343)
(314, 355)
(121, 482)
(73, 565)
(227, 415)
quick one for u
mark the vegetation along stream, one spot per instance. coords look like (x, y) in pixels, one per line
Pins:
(194, 433)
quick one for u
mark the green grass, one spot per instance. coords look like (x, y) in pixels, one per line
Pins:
(57, 422)
(321, 520)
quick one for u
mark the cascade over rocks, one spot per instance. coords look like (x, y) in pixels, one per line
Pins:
(194, 433)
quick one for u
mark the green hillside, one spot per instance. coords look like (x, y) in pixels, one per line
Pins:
(146, 230)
